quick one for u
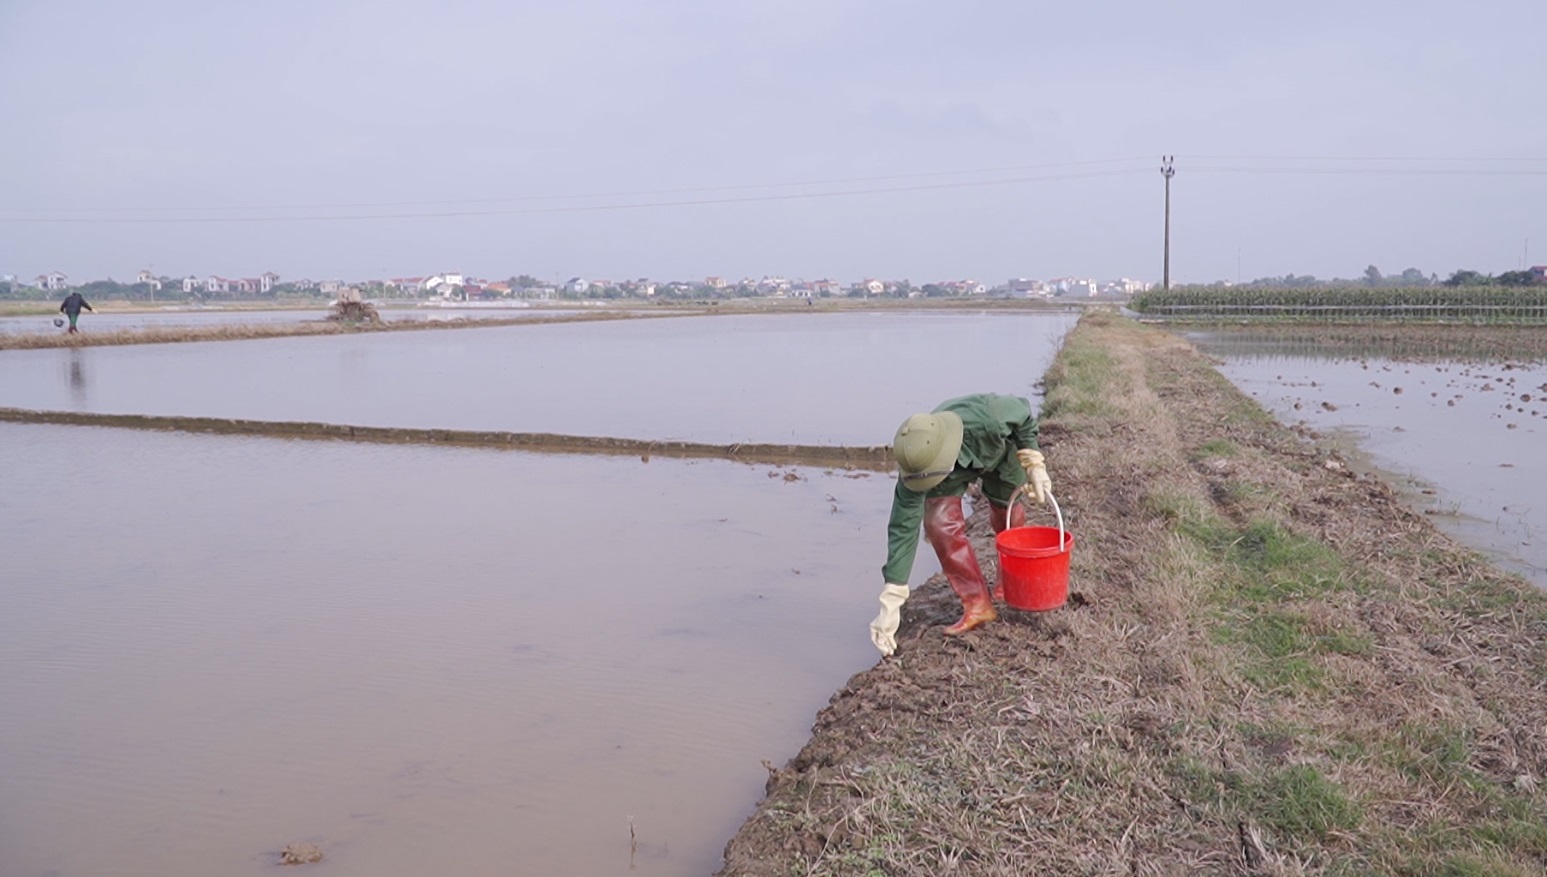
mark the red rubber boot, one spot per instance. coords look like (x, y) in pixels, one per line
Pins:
(996, 517)
(946, 529)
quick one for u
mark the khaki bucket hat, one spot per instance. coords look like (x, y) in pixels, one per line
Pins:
(926, 447)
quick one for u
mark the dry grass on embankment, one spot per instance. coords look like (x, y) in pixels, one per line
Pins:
(1268, 666)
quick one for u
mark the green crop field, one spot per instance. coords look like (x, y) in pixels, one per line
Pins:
(1476, 304)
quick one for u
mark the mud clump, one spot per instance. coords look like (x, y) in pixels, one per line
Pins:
(354, 312)
(300, 854)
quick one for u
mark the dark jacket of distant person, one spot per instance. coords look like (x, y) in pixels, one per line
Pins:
(73, 303)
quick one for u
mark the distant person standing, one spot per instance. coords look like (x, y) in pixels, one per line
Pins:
(71, 307)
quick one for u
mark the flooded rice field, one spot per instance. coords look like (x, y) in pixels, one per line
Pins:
(793, 378)
(184, 317)
(1464, 434)
(424, 660)
(434, 660)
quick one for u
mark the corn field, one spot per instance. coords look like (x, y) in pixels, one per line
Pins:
(1433, 304)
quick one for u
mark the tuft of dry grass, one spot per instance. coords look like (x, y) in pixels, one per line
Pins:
(1267, 666)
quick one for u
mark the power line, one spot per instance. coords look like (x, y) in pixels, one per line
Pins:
(624, 194)
(776, 196)
(1371, 172)
(1435, 158)
(794, 196)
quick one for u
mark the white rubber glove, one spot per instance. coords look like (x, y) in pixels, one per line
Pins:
(1036, 473)
(883, 631)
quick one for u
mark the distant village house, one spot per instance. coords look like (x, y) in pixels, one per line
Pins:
(51, 280)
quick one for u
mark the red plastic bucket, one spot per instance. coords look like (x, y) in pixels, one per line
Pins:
(1034, 566)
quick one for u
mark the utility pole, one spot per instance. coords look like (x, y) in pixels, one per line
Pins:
(1167, 170)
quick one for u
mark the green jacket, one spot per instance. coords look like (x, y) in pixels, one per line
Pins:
(993, 428)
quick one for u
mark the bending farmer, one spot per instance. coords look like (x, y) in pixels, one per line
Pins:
(985, 437)
(72, 308)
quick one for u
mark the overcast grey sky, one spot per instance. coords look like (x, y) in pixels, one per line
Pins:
(838, 138)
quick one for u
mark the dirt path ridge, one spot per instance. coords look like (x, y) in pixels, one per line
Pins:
(1268, 665)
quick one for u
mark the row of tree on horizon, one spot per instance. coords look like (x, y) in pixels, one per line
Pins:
(1409, 277)
(1373, 278)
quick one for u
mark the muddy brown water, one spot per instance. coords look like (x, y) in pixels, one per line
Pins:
(110, 321)
(432, 660)
(802, 379)
(1463, 436)
(424, 660)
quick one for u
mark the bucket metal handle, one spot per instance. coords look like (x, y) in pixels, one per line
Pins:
(1025, 493)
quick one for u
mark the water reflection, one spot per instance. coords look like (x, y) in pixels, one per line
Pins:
(1463, 435)
(109, 321)
(426, 660)
(1410, 344)
(798, 378)
(437, 660)
(78, 376)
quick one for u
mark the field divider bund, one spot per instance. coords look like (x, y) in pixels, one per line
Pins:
(871, 458)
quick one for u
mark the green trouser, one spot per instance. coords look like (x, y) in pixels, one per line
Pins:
(73, 317)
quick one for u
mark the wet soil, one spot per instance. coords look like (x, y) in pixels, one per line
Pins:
(873, 457)
(1268, 664)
